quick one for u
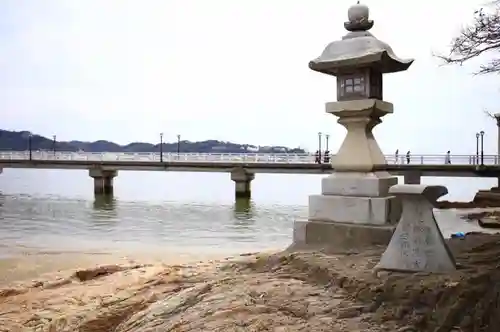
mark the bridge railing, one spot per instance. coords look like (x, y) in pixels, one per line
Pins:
(443, 159)
(279, 158)
(167, 157)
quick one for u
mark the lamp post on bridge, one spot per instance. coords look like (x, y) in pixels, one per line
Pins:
(319, 147)
(497, 118)
(29, 146)
(161, 147)
(54, 144)
(482, 147)
(477, 148)
(178, 145)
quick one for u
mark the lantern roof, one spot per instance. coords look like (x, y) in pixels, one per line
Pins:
(359, 48)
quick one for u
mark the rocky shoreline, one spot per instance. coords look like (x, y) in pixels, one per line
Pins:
(308, 291)
(482, 199)
(485, 215)
(483, 209)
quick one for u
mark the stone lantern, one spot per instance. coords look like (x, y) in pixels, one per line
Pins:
(355, 207)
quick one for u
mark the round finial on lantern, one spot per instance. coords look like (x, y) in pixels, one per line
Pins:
(358, 16)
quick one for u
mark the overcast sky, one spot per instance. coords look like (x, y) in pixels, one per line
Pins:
(230, 70)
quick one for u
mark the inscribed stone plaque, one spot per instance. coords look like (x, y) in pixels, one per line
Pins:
(417, 243)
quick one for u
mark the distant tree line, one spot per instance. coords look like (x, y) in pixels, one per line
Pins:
(21, 141)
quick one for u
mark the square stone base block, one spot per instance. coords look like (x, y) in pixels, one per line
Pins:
(338, 237)
(358, 210)
(373, 184)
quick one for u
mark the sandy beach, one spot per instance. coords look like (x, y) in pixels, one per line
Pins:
(281, 291)
(30, 264)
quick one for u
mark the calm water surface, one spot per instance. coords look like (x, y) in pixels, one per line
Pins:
(56, 210)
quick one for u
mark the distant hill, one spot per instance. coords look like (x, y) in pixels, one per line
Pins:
(19, 141)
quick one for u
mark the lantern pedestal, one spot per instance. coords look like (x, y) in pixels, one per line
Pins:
(360, 151)
(355, 208)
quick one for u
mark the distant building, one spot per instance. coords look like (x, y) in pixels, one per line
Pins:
(219, 148)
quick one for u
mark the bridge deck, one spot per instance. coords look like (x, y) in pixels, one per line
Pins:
(254, 167)
(279, 158)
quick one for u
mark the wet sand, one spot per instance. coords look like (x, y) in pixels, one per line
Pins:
(29, 264)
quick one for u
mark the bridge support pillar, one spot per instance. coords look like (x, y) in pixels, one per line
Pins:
(412, 178)
(242, 180)
(103, 181)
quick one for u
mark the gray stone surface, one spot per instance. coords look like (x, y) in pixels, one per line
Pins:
(241, 175)
(338, 237)
(417, 243)
(102, 173)
(430, 193)
(358, 18)
(359, 151)
(355, 210)
(412, 178)
(358, 48)
(103, 180)
(242, 182)
(375, 184)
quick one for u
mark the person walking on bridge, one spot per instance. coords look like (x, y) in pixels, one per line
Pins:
(396, 156)
(326, 157)
(447, 158)
(408, 157)
(317, 157)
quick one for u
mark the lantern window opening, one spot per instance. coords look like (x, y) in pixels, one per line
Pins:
(352, 85)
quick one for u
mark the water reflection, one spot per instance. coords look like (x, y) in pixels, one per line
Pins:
(104, 203)
(55, 209)
(243, 209)
(2, 200)
(104, 208)
(53, 222)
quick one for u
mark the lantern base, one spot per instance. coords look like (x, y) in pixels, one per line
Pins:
(355, 210)
(338, 237)
(370, 184)
(358, 198)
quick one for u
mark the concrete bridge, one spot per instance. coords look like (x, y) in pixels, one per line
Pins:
(104, 167)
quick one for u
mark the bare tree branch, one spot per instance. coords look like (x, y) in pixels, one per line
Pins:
(489, 114)
(480, 37)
